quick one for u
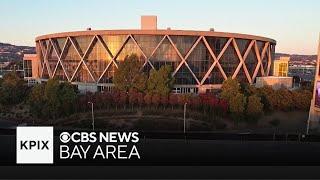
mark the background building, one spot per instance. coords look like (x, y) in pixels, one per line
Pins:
(201, 60)
(281, 66)
(280, 75)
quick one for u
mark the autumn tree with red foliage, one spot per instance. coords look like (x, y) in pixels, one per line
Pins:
(173, 100)
(164, 100)
(155, 100)
(148, 99)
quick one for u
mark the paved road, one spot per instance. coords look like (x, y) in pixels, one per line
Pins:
(7, 124)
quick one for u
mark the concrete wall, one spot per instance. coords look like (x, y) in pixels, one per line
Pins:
(275, 82)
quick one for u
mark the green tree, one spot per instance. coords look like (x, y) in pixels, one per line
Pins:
(237, 106)
(12, 90)
(230, 88)
(36, 101)
(285, 100)
(51, 94)
(254, 107)
(302, 99)
(52, 100)
(160, 81)
(67, 97)
(128, 75)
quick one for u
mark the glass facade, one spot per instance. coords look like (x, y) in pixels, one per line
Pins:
(27, 67)
(165, 55)
(200, 60)
(183, 43)
(97, 59)
(70, 59)
(93, 59)
(229, 61)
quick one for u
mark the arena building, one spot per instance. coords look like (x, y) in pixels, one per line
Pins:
(201, 60)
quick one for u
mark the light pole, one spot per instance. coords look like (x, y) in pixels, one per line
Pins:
(92, 114)
(184, 117)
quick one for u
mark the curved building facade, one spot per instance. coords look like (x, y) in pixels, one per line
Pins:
(201, 60)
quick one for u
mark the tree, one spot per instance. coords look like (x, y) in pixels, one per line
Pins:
(51, 94)
(54, 100)
(140, 99)
(302, 99)
(36, 100)
(123, 96)
(160, 81)
(164, 101)
(128, 75)
(230, 88)
(155, 100)
(195, 102)
(284, 99)
(268, 98)
(148, 99)
(237, 106)
(173, 100)
(254, 107)
(133, 97)
(67, 97)
(12, 90)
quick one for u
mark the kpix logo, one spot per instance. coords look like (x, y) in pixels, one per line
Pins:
(34, 145)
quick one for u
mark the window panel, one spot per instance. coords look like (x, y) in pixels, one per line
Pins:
(216, 44)
(114, 43)
(108, 75)
(148, 42)
(130, 48)
(59, 43)
(184, 76)
(229, 61)
(241, 76)
(251, 62)
(165, 55)
(243, 45)
(183, 43)
(200, 60)
(82, 43)
(215, 77)
(83, 75)
(60, 74)
(70, 59)
(52, 58)
(260, 46)
(97, 59)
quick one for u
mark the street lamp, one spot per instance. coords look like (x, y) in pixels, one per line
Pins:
(184, 117)
(92, 114)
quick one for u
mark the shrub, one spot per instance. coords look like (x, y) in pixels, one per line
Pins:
(254, 107)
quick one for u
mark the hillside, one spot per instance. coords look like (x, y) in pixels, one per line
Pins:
(9, 52)
(298, 59)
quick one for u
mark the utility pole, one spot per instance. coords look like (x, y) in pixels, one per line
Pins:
(92, 115)
(184, 117)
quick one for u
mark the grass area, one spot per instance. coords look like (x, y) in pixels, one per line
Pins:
(150, 119)
(172, 120)
(140, 120)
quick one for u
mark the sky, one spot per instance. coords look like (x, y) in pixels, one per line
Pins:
(294, 24)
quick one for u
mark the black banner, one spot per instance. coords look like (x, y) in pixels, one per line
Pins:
(196, 149)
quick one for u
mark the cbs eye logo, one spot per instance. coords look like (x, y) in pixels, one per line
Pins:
(65, 137)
